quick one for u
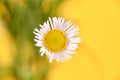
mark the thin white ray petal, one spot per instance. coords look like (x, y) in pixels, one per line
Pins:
(39, 44)
(72, 29)
(55, 22)
(48, 25)
(67, 56)
(36, 40)
(58, 23)
(39, 37)
(51, 59)
(37, 34)
(48, 53)
(62, 59)
(61, 22)
(75, 40)
(45, 27)
(40, 25)
(70, 52)
(42, 50)
(75, 29)
(36, 30)
(67, 25)
(59, 57)
(72, 46)
(72, 34)
(51, 22)
(41, 31)
(42, 53)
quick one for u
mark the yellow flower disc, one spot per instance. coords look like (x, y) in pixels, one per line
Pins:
(55, 40)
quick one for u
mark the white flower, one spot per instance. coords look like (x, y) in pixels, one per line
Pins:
(57, 39)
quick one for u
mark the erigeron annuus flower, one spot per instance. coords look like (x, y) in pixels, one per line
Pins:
(57, 39)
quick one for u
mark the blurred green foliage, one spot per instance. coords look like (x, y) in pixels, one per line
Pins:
(21, 17)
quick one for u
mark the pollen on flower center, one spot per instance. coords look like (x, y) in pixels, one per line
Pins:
(55, 40)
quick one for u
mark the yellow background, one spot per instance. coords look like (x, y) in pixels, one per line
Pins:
(98, 55)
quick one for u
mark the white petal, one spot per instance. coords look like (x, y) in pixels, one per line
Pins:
(36, 40)
(67, 56)
(67, 25)
(40, 25)
(45, 27)
(59, 57)
(42, 53)
(51, 22)
(61, 24)
(48, 53)
(51, 58)
(62, 59)
(36, 30)
(72, 46)
(75, 40)
(37, 34)
(42, 50)
(39, 44)
(69, 35)
(58, 23)
(55, 22)
(70, 52)
(72, 29)
(39, 37)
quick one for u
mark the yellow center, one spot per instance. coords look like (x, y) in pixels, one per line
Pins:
(55, 40)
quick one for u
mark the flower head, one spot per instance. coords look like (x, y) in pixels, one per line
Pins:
(57, 39)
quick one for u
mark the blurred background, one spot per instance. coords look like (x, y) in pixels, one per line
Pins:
(19, 58)
(98, 55)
